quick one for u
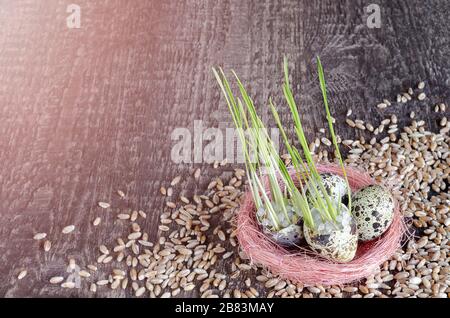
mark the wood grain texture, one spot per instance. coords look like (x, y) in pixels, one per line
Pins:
(85, 112)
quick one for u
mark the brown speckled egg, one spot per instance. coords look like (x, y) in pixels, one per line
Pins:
(336, 241)
(290, 230)
(289, 236)
(335, 186)
(373, 210)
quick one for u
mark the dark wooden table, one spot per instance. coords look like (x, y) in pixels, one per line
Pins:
(85, 112)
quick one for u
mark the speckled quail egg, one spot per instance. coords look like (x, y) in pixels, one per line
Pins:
(290, 230)
(335, 186)
(373, 209)
(289, 236)
(335, 240)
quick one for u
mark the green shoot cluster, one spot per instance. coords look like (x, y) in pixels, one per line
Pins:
(273, 184)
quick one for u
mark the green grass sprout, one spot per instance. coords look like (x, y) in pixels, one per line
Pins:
(321, 200)
(331, 128)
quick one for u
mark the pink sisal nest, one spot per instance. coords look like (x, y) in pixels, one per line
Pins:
(308, 267)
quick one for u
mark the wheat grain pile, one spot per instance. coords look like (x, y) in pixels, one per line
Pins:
(197, 253)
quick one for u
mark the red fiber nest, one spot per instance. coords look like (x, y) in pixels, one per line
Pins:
(308, 267)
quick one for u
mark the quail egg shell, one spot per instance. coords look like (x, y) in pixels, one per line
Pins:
(289, 236)
(291, 229)
(336, 241)
(373, 210)
(335, 186)
(267, 222)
